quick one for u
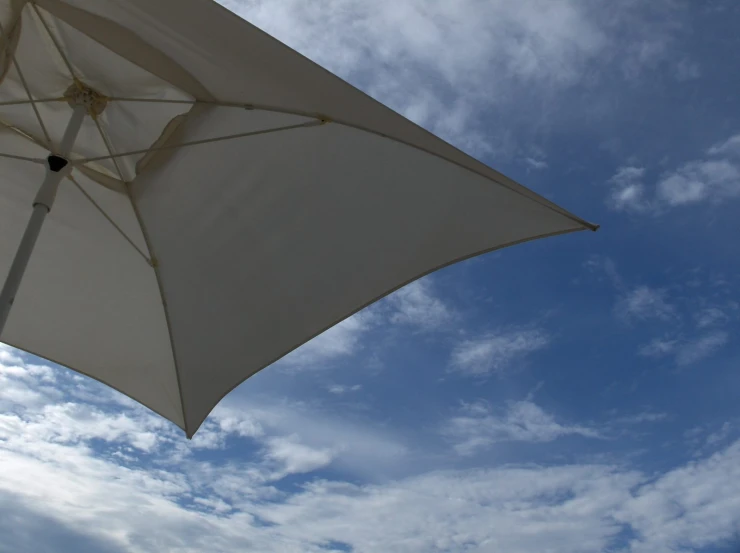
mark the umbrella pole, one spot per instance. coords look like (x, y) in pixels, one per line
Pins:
(57, 167)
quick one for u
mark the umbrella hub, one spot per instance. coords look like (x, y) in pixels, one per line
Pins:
(49, 63)
(79, 94)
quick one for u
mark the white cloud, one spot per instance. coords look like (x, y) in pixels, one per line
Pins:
(520, 509)
(606, 265)
(628, 190)
(132, 430)
(514, 509)
(24, 384)
(294, 457)
(496, 352)
(358, 446)
(535, 163)
(713, 179)
(69, 490)
(243, 423)
(565, 509)
(478, 427)
(9, 356)
(698, 181)
(76, 423)
(687, 70)
(720, 435)
(710, 437)
(416, 304)
(341, 340)
(645, 303)
(729, 148)
(444, 63)
(700, 348)
(641, 418)
(689, 508)
(659, 347)
(686, 352)
(710, 316)
(340, 389)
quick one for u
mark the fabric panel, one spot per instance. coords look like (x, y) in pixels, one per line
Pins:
(264, 242)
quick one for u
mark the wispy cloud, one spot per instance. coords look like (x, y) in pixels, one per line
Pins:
(729, 148)
(95, 486)
(359, 446)
(645, 303)
(628, 191)
(341, 340)
(417, 305)
(573, 509)
(496, 352)
(698, 181)
(671, 315)
(535, 163)
(294, 457)
(133, 432)
(340, 389)
(687, 508)
(686, 352)
(709, 438)
(700, 348)
(687, 70)
(478, 426)
(600, 264)
(720, 435)
(434, 61)
(642, 418)
(634, 302)
(710, 316)
(659, 347)
(713, 179)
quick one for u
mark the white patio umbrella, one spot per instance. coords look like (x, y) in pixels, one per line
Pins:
(214, 199)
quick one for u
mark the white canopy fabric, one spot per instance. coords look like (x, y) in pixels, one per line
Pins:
(228, 202)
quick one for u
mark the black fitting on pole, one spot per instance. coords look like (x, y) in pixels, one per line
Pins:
(56, 163)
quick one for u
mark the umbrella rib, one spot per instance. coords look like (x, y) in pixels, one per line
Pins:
(108, 218)
(108, 146)
(156, 100)
(152, 262)
(511, 187)
(31, 99)
(154, 265)
(23, 158)
(28, 137)
(34, 101)
(114, 156)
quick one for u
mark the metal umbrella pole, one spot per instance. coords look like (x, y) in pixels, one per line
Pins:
(57, 167)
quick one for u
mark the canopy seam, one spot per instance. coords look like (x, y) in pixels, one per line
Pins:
(54, 41)
(114, 157)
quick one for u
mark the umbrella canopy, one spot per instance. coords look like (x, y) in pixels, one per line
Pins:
(218, 199)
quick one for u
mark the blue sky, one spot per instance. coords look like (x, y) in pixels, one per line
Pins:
(575, 394)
